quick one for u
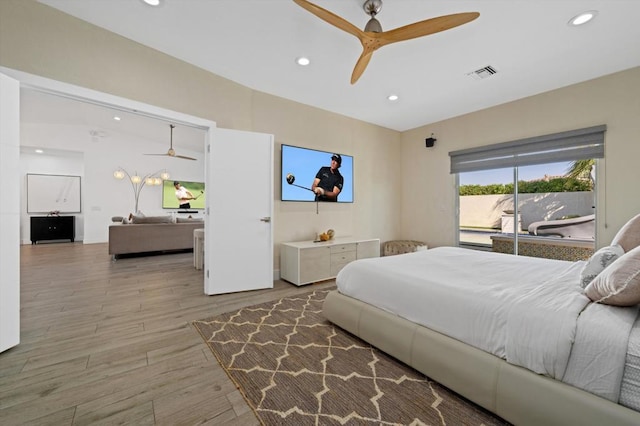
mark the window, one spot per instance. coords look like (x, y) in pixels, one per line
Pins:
(556, 181)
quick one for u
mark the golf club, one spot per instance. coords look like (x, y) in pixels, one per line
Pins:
(198, 196)
(291, 178)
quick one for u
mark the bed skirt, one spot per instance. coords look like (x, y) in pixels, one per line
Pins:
(513, 393)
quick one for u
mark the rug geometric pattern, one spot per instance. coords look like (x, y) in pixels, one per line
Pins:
(296, 368)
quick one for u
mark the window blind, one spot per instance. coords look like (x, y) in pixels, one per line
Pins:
(581, 144)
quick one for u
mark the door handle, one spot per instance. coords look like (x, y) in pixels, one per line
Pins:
(266, 219)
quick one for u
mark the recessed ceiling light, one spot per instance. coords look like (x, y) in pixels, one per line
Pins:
(303, 61)
(583, 18)
(115, 117)
(39, 151)
(152, 2)
(393, 98)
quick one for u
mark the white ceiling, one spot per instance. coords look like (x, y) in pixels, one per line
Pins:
(255, 43)
(44, 108)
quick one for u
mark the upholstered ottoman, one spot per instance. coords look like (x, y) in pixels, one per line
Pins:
(402, 246)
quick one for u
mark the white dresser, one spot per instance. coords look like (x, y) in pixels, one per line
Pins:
(305, 262)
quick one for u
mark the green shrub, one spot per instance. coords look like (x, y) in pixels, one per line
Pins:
(561, 184)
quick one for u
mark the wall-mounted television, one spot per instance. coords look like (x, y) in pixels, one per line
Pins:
(301, 166)
(192, 189)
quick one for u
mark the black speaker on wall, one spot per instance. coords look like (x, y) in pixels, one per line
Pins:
(430, 142)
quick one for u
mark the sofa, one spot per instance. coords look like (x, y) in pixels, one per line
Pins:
(150, 236)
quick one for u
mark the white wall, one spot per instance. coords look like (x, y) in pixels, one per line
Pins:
(95, 160)
(56, 163)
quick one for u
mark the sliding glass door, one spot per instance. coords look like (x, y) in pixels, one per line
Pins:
(535, 195)
(545, 193)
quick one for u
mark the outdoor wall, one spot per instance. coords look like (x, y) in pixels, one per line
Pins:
(429, 190)
(40, 40)
(485, 211)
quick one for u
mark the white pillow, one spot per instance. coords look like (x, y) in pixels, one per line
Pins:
(629, 235)
(598, 262)
(619, 284)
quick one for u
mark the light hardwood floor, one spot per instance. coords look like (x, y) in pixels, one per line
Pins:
(107, 342)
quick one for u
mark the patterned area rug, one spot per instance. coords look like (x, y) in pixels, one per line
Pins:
(295, 368)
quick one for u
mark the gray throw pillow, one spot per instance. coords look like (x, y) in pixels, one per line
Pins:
(152, 219)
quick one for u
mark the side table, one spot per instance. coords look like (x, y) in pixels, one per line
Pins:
(198, 248)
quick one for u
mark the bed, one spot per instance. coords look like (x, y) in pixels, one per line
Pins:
(522, 337)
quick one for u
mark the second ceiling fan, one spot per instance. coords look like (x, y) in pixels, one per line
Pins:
(373, 38)
(172, 152)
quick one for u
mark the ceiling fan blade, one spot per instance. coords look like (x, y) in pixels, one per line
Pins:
(330, 18)
(184, 158)
(172, 152)
(361, 65)
(423, 28)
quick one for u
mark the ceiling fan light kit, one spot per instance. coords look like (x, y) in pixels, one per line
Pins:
(373, 38)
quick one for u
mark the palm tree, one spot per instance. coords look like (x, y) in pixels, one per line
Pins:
(582, 169)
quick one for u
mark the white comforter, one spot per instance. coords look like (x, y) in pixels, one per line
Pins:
(529, 311)
(522, 309)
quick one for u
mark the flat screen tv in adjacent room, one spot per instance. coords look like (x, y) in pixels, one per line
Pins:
(301, 165)
(170, 200)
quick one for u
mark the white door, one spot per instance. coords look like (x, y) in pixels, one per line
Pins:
(239, 232)
(9, 212)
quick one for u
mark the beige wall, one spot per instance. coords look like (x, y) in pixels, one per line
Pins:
(43, 41)
(428, 190)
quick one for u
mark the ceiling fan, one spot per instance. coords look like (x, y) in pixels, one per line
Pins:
(373, 38)
(172, 152)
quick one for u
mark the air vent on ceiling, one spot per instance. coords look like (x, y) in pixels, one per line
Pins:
(483, 72)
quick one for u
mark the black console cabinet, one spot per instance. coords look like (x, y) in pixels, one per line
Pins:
(53, 228)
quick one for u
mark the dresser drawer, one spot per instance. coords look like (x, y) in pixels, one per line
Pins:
(339, 260)
(341, 248)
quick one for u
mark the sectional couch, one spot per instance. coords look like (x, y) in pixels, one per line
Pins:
(151, 235)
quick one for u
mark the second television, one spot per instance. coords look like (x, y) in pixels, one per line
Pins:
(300, 167)
(170, 199)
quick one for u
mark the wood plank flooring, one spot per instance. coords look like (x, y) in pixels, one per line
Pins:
(106, 342)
